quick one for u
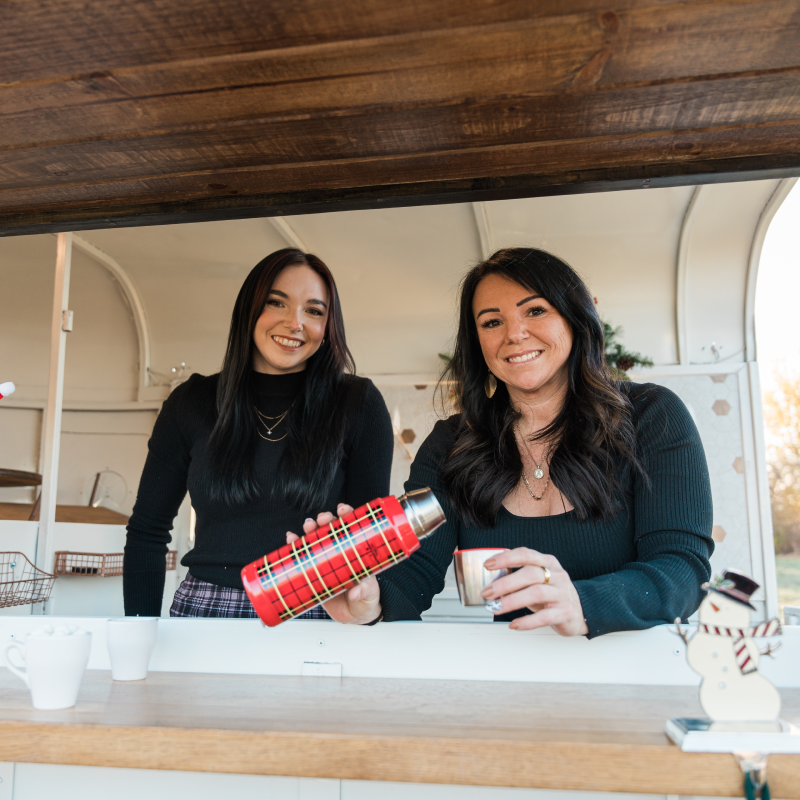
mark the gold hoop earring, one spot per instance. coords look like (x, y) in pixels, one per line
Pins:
(322, 342)
(490, 387)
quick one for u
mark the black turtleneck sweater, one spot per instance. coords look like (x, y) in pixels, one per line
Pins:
(229, 537)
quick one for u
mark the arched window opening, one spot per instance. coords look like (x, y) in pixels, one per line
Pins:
(778, 343)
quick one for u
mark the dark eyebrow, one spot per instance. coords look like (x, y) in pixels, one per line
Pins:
(521, 303)
(286, 296)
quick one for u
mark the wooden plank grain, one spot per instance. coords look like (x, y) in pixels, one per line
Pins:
(544, 765)
(551, 55)
(380, 132)
(464, 141)
(44, 38)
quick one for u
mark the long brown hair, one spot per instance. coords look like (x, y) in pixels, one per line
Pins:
(315, 432)
(593, 432)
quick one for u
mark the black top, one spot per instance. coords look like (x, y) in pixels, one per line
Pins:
(229, 537)
(642, 567)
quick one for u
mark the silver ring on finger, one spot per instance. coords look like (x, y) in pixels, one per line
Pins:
(546, 575)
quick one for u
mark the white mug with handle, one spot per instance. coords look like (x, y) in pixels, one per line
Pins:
(53, 664)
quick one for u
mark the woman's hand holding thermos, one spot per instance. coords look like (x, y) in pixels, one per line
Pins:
(362, 603)
(335, 560)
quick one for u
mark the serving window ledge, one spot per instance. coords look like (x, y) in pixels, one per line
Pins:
(417, 650)
(420, 703)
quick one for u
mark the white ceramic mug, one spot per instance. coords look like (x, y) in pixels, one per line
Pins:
(54, 662)
(131, 641)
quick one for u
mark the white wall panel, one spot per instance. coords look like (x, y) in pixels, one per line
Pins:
(103, 348)
(188, 277)
(397, 272)
(623, 244)
(92, 441)
(20, 429)
(27, 265)
(36, 781)
(717, 262)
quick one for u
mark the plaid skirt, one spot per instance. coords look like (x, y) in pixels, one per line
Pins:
(196, 598)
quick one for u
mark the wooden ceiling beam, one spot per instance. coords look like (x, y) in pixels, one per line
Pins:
(155, 211)
(527, 94)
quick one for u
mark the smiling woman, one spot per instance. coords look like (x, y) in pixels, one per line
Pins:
(292, 325)
(599, 489)
(284, 427)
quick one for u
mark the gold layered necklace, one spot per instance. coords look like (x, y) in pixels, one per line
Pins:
(538, 473)
(266, 420)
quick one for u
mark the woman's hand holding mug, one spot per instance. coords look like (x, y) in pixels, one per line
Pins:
(356, 606)
(541, 584)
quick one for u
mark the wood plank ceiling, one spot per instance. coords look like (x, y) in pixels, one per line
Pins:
(121, 112)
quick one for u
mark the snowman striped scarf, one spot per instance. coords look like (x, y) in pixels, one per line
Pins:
(772, 627)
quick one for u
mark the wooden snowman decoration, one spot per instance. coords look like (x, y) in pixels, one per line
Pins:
(726, 657)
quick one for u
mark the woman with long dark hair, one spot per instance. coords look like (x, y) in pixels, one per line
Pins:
(598, 487)
(283, 428)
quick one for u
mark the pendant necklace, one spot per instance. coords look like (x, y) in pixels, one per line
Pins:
(528, 487)
(538, 473)
(262, 418)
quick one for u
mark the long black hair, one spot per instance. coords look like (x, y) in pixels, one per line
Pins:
(593, 430)
(314, 439)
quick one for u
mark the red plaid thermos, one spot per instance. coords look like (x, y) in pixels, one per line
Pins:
(331, 559)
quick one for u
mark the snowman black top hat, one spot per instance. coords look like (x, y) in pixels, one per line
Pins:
(734, 584)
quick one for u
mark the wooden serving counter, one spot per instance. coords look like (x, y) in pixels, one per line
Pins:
(540, 735)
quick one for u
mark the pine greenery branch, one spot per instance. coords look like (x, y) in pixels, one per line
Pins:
(619, 358)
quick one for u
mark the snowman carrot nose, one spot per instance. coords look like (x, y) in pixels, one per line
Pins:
(716, 608)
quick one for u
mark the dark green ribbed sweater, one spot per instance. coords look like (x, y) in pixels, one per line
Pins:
(642, 567)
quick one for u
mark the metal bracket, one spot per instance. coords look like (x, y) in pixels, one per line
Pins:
(66, 321)
(754, 767)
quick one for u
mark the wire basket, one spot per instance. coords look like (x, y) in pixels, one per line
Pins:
(98, 565)
(21, 583)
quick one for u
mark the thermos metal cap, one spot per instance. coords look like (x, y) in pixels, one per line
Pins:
(423, 511)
